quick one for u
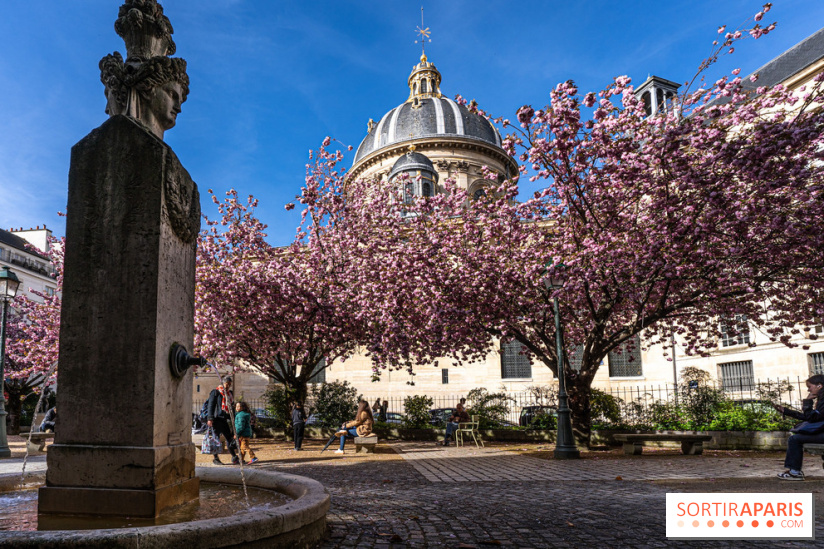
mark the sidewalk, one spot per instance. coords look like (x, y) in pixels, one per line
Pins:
(418, 494)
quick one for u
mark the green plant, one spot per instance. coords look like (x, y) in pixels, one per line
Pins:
(666, 416)
(416, 410)
(605, 409)
(491, 408)
(700, 400)
(279, 406)
(543, 420)
(335, 402)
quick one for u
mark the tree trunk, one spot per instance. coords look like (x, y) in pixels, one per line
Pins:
(578, 389)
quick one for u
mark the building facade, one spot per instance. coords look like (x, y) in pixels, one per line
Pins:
(31, 265)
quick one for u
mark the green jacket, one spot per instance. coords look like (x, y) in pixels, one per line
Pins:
(243, 424)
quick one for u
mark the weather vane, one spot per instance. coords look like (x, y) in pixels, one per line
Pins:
(424, 34)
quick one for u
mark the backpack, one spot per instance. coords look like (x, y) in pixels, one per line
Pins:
(204, 412)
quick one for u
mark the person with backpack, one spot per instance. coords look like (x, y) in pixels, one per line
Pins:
(218, 417)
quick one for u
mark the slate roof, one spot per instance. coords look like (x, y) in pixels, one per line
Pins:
(434, 117)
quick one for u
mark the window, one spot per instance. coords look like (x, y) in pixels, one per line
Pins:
(444, 375)
(625, 360)
(576, 356)
(816, 361)
(514, 365)
(319, 373)
(423, 86)
(737, 376)
(735, 332)
(479, 193)
(49, 291)
(427, 188)
(645, 97)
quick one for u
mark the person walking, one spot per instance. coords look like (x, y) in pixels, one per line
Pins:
(218, 417)
(360, 427)
(298, 423)
(243, 431)
(811, 431)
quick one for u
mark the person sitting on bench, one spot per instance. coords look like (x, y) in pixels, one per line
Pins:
(360, 427)
(47, 426)
(458, 416)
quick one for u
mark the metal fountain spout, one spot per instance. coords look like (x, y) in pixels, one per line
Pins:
(180, 360)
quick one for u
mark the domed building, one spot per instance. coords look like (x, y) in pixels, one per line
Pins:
(431, 132)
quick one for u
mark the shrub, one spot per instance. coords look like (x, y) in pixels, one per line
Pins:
(279, 406)
(667, 415)
(543, 420)
(416, 411)
(700, 400)
(605, 409)
(334, 403)
(491, 408)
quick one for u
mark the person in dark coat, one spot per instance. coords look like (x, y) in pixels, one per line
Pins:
(811, 414)
(219, 418)
(47, 425)
(298, 423)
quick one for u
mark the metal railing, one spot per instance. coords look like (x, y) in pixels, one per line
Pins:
(635, 402)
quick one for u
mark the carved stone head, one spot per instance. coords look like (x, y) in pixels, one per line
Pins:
(149, 86)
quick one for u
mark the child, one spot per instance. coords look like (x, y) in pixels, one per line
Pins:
(243, 431)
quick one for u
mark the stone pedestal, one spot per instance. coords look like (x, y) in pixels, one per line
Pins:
(123, 435)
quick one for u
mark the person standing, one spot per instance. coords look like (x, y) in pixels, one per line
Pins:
(298, 423)
(382, 413)
(218, 417)
(243, 431)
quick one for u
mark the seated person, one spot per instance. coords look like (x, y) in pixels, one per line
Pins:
(458, 416)
(812, 411)
(47, 426)
(360, 427)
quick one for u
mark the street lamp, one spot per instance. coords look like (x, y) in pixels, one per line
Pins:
(8, 289)
(564, 444)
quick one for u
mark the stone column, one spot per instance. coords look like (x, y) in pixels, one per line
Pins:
(123, 437)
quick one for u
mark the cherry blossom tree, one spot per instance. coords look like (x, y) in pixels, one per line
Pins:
(280, 311)
(660, 224)
(33, 333)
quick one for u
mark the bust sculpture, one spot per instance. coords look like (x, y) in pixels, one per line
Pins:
(148, 86)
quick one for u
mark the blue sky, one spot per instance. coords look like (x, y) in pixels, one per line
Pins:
(271, 79)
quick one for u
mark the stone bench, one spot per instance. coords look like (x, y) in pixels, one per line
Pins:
(367, 444)
(37, 443)
(815, 449)
(691, 445)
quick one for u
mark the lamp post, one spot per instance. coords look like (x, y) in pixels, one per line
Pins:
(564, 444)
(8, 289)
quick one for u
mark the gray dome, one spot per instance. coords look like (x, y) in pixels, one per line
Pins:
(413, 161)
(434, 117)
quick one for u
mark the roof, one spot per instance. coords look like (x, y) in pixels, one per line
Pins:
(17, 242)
(433, 117)
(792, 61)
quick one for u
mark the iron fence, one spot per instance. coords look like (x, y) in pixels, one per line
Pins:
(634, 402)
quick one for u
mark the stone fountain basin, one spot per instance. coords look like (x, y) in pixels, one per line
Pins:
(300, 523)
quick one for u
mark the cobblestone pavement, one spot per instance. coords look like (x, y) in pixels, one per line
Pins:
(463, 498)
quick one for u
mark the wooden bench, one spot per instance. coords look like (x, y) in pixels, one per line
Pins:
(37, 443)
(691, 445)
(367, 444)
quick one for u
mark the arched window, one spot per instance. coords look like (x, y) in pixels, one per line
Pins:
(514, 365)
(479, 193)
(647, 103)
(426, 188)
(423, 86)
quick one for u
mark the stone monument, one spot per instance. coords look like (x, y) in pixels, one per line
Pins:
(123, 439)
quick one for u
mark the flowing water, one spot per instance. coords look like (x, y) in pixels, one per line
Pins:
(18, 510)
